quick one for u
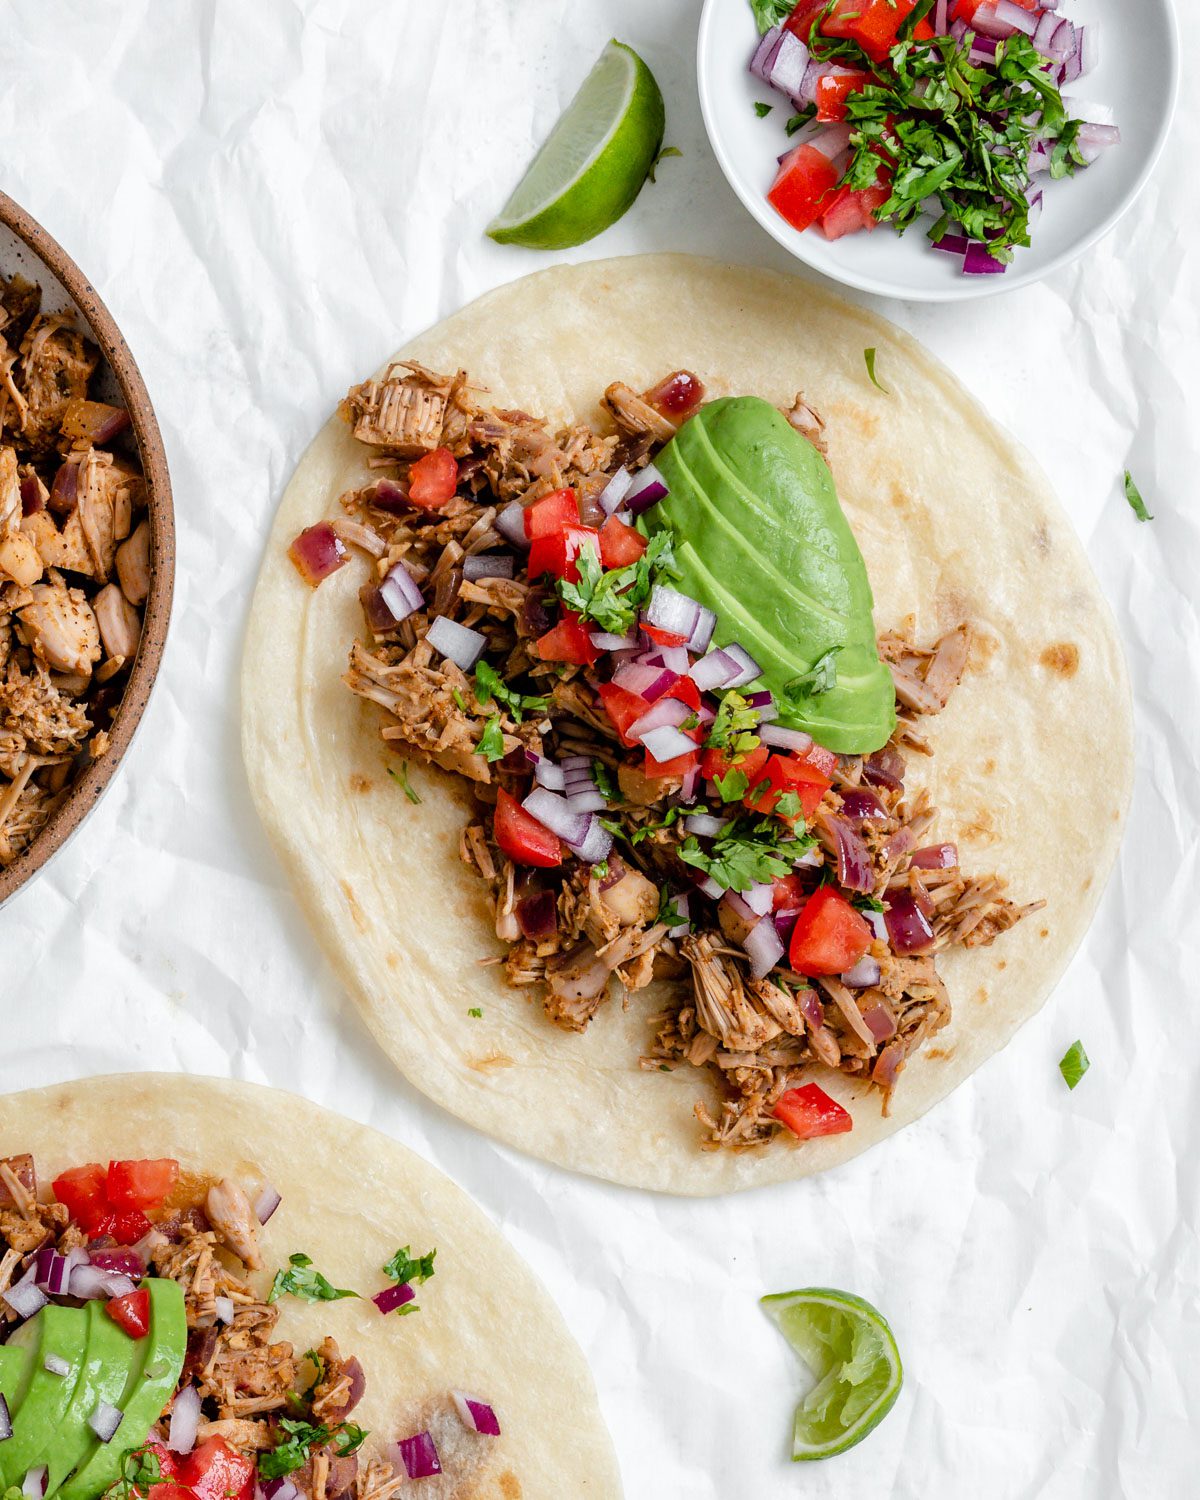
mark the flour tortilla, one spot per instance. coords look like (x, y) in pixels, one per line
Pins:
(1033, 758)
(351, 1199)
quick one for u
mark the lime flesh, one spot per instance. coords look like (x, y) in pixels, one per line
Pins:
(595, 160)
(852, 1354)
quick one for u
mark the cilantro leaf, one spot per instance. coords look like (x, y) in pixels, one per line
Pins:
(613, 598)
(820, 678)
(301, 1437)
(668, 912)
(303, 1280)
(734, 725)
(768, 13)
(788, 805)
(747, 853)
(490, 743)
(866, 903)
(489, 687)
(799, 121)
(606, 781)
(140, 1468)
(401, 775)
(404, 1267)
(763, 110)
(1136, 504)
(869, 356)
(733, 786)
(475, 1012)
(1074, 1065)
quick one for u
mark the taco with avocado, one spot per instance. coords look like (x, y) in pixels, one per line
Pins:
(624, 649)
(190, 1312)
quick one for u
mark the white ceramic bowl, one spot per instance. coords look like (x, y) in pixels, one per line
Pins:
(1136, 84)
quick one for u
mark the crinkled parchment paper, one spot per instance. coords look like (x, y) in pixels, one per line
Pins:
(272, 197)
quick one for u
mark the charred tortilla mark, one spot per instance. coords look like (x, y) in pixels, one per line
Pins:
(983, 648)
(359, 783)
(356, 911)
(1002, 963)
(940, 1054)
(989, 766)
(1062, 658)
(492, 1063)
(510, 1485)
(980, 996)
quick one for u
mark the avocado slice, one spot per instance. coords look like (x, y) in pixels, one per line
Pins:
(109, 1355)
(763, 541)
(43, 1398)
(14, 1361)
(147, 1391)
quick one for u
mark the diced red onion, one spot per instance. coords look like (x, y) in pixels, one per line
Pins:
(5, 1420)
(476, 1415)
(788, 64)
(936, 857)
(225, 1309)
(881, 1023)
(608, 642)
(123, 1262)
(760, 63)
(764, 704)
(760, 898)
(393, 1297)
(460, 643)
(146, 1248)
(853, 861)
(700, 637)
(691, 780)
(979, 263)
(875, 921)
(1094, 139)
(1000, 18)
(832, 140)
(25, 1298)
(399, 593)
(781, 738)
(317, 552)
(710, 887)
(673, 658)
(682, 904)
(56, 1364)
(885, 768)
(865, 973)
(488, 565)
(907, 925)
(647, 489)
(953, 244)
(667, 743)
(587, 799)
(704, 825)
(615, 490)
(718, 669)
(748, 669)
(863, 806)
(34, 1483)
(185, 1420)
(510, 523)
(418, 1455)
(595, 843)
(537, 916)
(105, 1420)
(666, 713)
(672, 611)
(266, 1203)
(764, 948)
(547, 774)
(89, 1283)
(33, 495)
(577, 762)
(640, 678)
(941, 17)
(279, 1489)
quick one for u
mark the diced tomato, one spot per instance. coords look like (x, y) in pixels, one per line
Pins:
(550, 514)
(557, 553)
(168, 1464)
(131, 1312)
(568, 641)
(809, 1112)
(788, 894)
(623, 708)
(140, 1184)
(787, 773)
(663, 637)
(852, 209)
(522, 837)
(620, 545)
(82, 1191)
(829, 936)
(802, 17)
(213, 1471)
(686, 691)
(873, 24)
(680, 766)
(719, 763)
(433, 479)
(127, 1225)
(834, 89)
(677, 395)
(802, 186)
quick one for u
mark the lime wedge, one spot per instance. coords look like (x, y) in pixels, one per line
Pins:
(852, 1353)
(594, 163)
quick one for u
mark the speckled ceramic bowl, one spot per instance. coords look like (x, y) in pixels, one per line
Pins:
(25, 247)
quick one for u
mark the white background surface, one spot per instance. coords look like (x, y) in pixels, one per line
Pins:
(271, 197)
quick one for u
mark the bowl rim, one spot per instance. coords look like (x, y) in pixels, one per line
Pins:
(972, 288)
(86, 791)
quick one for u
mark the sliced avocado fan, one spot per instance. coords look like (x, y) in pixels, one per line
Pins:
(763, 542)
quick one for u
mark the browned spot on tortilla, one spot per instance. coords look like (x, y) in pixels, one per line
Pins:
(863, 421)
(981, 996)
(491, 1063)
(940, 1054)
(510, 1485)
(1062, 658)
(983, 648)
(359, 783)
(392, 960)
(356, 911)
(989, 766)
(1087, 884)
(1002, 963)
(1045, 932)
(980, 830)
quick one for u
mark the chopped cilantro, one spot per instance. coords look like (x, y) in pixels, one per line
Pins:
(456, 694)
(733, 728)
(747, 853)
(763, 110)
(820, 678)
(788, 805)
(799, 121)
(1074, 1065)
(140, 1468)
(668, 912)
(405, 1268)
(475, 1013)
(662, 156)
(305, 1281)
(866, 903)
(490, 743)
(301, 1437)
(605, 781)
(869, 356)
(489, 686)
(600, 870)
(733, 786)
(1136, 504)
(401, 776)
(768, 13)
(612, 598)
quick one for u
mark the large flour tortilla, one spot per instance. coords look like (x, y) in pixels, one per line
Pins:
(1033, 761)
(351, 1198)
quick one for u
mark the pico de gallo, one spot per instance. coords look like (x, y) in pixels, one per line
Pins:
(140, 1348)
(644, 807)
(947, 113)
